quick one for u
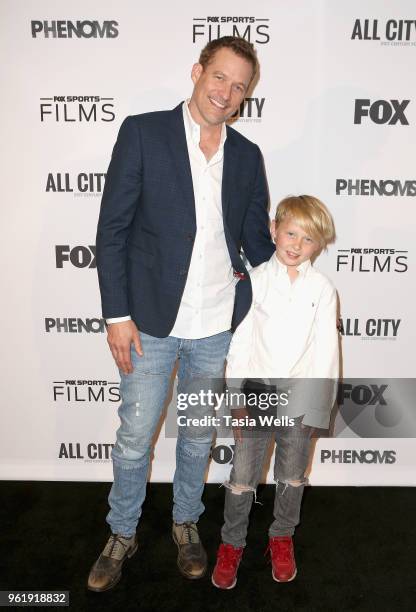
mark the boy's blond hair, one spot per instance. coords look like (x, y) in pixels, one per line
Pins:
(310, 214)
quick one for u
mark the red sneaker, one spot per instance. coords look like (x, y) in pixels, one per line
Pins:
(224, 575)
(283, 558)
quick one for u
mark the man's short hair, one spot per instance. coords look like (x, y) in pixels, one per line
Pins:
(310, 214)
(239, 45)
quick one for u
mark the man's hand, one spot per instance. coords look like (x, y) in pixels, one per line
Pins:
(120, 337)
(238, 413)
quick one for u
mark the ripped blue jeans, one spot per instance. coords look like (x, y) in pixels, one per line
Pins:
(291, 461)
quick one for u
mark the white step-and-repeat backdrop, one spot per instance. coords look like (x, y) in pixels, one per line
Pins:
(335, 116)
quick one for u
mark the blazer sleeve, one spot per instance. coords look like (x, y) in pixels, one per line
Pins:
(256, 239)
(118, 207)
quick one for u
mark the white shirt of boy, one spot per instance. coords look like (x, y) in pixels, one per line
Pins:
(290, 330)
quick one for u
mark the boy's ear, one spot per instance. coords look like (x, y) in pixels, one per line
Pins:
(273, 229)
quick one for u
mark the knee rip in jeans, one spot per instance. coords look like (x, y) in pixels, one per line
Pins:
(291, 483)
(239, 489)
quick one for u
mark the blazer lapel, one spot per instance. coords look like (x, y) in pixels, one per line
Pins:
(229, 172)
(179, 151)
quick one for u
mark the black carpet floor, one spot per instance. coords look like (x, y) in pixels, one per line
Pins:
(355, 550)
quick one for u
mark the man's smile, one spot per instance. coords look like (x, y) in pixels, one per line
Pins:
(217, 103)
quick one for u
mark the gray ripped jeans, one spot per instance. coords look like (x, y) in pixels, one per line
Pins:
(291, 461)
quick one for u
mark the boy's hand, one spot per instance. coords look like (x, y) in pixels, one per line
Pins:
(238, 413)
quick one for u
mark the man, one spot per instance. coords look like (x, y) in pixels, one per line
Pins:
(183, 194)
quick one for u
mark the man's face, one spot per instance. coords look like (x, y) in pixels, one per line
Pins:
(293, 244)
(220, 88)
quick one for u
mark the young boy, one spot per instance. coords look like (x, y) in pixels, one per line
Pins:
(289, 333)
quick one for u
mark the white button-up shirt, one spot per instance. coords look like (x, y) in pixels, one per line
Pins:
(290, 330)
(290, 333)
(208, 299)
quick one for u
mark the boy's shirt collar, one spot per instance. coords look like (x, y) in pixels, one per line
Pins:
(280, 268)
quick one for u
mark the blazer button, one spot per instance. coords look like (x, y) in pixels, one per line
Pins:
(190, 236)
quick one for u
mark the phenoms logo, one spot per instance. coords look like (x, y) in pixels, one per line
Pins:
(371, 260)
(223, 454)
(370, 329)
(398, 32)
(74, 325)
(82, 184)
(253, 29)
(358, 456)
(373, 187)
(76, 109)
(93, 391)
(74, 29)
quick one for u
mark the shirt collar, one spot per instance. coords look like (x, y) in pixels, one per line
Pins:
(280, 268)
(193, 130)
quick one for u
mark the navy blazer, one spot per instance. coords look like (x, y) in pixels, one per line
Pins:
(147, 225)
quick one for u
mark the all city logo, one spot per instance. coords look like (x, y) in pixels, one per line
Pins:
(77, 109)
(92, 391)
(74, 29)
(253, 29)
(381, 112)
(251, 109)
(81, 184)
(93, 451)
(391, 32)
(374, 329)
(364, 260)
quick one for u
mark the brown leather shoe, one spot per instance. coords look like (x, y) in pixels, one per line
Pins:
(192, 558)
(106, 571)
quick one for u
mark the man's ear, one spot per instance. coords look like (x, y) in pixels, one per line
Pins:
(197, 70)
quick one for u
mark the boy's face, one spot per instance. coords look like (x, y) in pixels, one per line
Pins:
(293, 244)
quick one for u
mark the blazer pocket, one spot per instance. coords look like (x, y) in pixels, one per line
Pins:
(143, 257)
